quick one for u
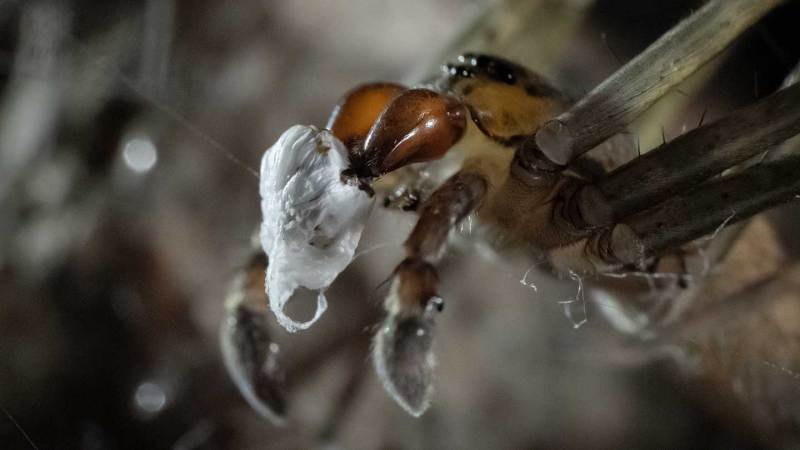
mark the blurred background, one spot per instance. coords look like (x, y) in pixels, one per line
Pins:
(129, 136)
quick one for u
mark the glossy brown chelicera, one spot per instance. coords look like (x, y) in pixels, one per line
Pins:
(387, 126)
(415, 125)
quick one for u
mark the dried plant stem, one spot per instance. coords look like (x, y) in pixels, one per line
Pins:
(636, 86)
(696, 156)
(720, 202)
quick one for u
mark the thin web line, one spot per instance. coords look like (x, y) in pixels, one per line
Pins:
(194, 129)
(17, 425)
(171, 112)
(782, 369)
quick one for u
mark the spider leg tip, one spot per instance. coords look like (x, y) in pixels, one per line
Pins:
(404, 361)
(252, 361)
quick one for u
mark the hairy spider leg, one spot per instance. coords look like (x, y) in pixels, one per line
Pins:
(249, 352)
(506, 103)
(402, 345)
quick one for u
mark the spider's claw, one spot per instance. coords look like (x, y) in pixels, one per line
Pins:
(404, 361)
(249, 353)
(252, 360)
(402, 352)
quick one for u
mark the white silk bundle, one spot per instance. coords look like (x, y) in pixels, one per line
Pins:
(312, 219)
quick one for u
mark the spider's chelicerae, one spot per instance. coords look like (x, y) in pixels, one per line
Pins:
(519, 149)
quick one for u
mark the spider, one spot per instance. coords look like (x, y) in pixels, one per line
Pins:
(476, 114)
(482, 115)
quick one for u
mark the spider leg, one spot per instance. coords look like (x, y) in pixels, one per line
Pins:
(402, 345)
(250, 354)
